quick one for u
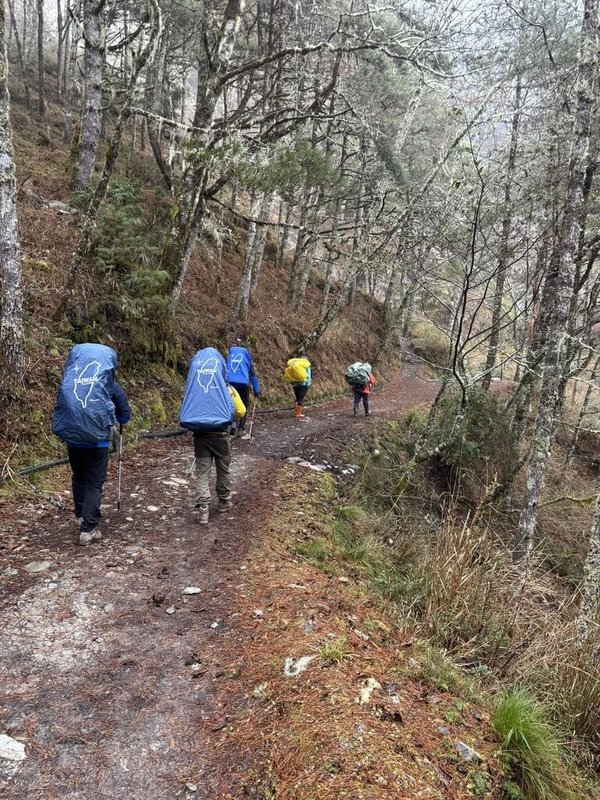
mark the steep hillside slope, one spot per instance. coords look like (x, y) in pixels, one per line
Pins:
(153, 351)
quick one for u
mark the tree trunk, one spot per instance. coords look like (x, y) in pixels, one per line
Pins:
(70, 78)
(20, 53)
(267, 208)
(59, 51)
(93, 65)
(562, 282)
(286, 235)
(40, 54)
(191, 200)
(11, 323)
(112, 154)
(243, 297)
(301, 243)
(504, 243)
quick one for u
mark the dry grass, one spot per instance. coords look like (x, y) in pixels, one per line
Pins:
(314, 739)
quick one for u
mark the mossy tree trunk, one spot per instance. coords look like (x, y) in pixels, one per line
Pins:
(11, 322)
(561, 281)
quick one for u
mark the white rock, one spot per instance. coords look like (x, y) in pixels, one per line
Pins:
(368, 687)
(192, 590)
(343, 579)
(109, 608)
(294, 666)
(152, 508)
(214, 624)
(170, 610)
(294, 460)
(12, 755)
(258, 613)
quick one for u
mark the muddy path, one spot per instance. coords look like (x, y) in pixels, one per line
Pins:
(108, 667)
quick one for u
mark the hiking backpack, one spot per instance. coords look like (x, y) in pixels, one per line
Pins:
(296, 370)
(85, 413)
(358, 374)
(207, 404)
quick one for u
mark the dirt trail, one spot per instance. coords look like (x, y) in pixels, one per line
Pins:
(108, 670)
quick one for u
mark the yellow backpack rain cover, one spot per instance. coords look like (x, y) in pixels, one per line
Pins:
(296, 370)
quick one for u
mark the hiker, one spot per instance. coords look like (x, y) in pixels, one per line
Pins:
(298, 374)
(361, 380)
(209, 408)
(241, 375)
(89, 402)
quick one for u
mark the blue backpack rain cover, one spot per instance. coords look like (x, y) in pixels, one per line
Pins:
(207, 404)
(84, 412)
(238, 365)
(239, 368)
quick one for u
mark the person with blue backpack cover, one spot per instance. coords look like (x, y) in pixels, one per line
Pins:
(241, 374)
(209, 408)
(89, 403)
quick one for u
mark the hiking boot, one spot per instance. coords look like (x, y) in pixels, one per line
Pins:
(367, 413)
(355, 412)
(87, 537)
(203, 514)
(298, 410)
(224, 505)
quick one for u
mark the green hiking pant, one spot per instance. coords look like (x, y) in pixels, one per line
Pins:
(209, 447)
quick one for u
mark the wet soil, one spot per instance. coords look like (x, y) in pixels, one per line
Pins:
(108, 668)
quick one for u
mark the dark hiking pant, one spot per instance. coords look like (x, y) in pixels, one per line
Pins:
(209, 447)
(300, 393)
(243, 389)
(88, 465)
(358, 396)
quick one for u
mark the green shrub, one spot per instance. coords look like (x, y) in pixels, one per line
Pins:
(532, 748)
(132, 302)
(484, 452)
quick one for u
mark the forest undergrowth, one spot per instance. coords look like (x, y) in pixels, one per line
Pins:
(434, 552)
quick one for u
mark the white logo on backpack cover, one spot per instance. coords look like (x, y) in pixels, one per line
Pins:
(84, 381)
(205, 373)
(236, 361)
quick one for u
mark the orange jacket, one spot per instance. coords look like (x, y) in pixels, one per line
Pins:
(367, 388)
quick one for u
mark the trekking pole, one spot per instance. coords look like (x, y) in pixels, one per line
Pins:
(191, 472)
(120, 471)
(252, 418)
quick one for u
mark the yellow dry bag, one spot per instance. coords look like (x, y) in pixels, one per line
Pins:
(238, 404)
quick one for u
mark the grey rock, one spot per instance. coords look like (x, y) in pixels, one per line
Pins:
(12, 755)
(467, 753)
(443, 731)
(38, 566)
(293, 460)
